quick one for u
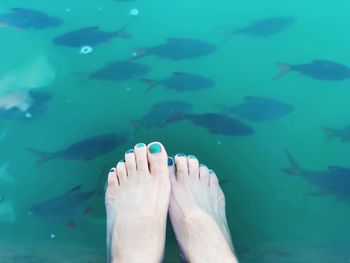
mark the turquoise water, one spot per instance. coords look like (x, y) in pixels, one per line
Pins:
(273, 216)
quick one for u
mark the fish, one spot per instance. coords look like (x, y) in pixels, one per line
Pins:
(89, 36)
(178, 49)
(335, 180)
(64, 208)
(119, 71)
(216, 123)
(181, 81)
(24, 105)
(318, 69)
(86, 149)
(256, 108)
(342, 133)
(159, 114)
(24, 18)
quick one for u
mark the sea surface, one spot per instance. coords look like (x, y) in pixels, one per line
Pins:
(276, 215)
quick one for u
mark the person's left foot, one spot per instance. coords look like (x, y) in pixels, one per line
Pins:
(137, 201)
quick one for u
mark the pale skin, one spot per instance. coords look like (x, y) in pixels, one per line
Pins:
(143, 188)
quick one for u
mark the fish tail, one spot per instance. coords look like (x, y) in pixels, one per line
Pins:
(224, 108)
(285, 68)
(293, 167)
(139, 53)
(122, 33)
(331, 133)
(43, 156)
(151, 84)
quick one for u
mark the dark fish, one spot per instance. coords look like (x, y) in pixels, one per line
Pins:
(159, 114)
(22, 18)
(343, 133)
(86, 149)
(267, 27)
(216, 123)
(24, 105)
(64, 208)
(181, 82)
(178, 49)
(91, 36)
(333, 181)
(120, 71)
(318, 69)
(260, 109)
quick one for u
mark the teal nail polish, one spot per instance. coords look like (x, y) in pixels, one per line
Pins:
(139, 145)
(155, 148)
(192, 157)
(201, 165)
(122, 161)
(180, 154)
(170, 161)
(129, 151)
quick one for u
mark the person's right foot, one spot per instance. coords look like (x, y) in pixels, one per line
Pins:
(197, 212)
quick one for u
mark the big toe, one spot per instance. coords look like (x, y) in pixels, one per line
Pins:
(157, 159)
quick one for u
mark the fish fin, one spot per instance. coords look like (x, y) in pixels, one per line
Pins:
(71, 225)
(176, 116)
(294, 167)
(331, 133)
(249, 97)
(151, 84)
(177, 73)
(285, 68)
(92, 28)
(122, 33)
(139, 53)
(75, 189)
(43, 156)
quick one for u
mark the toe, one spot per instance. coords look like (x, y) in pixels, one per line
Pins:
(112, 183)
(130, 162)
(193, 166)
(181, 166)
(171, 167)
(121, 172)
(204, 174)
(140, 151)
(157, 159)
(213, 179)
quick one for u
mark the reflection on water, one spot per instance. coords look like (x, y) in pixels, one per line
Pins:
(81, 82)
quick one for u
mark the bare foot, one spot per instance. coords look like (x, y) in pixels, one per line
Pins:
(197, 212)
(137, 201)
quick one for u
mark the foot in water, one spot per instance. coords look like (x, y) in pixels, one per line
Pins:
(137, 202)
(197, 212)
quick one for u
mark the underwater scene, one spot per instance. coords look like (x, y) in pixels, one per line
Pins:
(257, 90)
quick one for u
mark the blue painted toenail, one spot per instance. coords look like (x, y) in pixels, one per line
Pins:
(122, 161)
(201, 165)
(211, 171)
(192, 157)
(139, 145)
(112, 170)
(155, 148)
(170, 161)
(129, 151)
(180, 154)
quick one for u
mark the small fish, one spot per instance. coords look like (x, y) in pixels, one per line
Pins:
(318, 69)
(260, 109)
(23, 105)
(181, 81)
(120, 71)
(178, 49)
(87, 149)
(343, 133)
(159, 114)
(89, 36)
(64, 208)
(216, 123)
(23, 18)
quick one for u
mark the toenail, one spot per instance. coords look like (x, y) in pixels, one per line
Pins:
(112, 170)
(139, 145)
(129, 151)
(121, 161)
(155, 148)
(170, 161)
(180, 154)
(211, 171)
(201, 165)
(192, 157)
